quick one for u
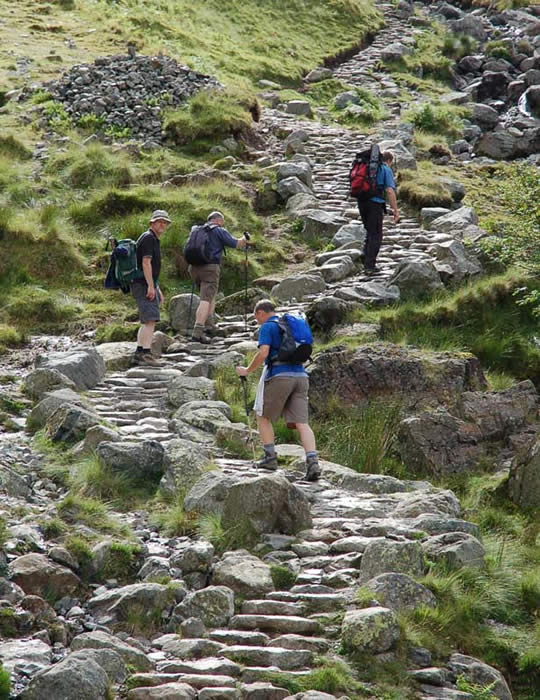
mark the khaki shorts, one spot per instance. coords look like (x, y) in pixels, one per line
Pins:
(206, 277)
(287, 397)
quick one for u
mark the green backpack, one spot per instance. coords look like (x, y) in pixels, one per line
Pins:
(125, 263)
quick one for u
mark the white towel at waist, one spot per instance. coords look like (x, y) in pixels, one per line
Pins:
(259, 397)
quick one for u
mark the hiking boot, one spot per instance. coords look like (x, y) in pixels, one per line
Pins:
(313, 470)
(268, 463)
(146, 359)
(201, 338)
(371, 270)
(214, 331)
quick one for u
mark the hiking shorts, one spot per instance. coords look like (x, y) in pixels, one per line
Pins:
(206, 277)
(287, 397)
(148, 309)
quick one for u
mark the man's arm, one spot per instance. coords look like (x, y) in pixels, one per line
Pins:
(231, 242)
(147, 272)
(255, 363)
(391, 194)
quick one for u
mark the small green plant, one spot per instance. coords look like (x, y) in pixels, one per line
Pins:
(91, 122)
(116, 132)
(171, 516)
(5, 683)
(122, 561)
(90, 512)
(239, 536)
(282, 577)
(330, 676)
(438, 119)
(8, 623)
(477, 691)
(79, 547)
(57, 117)
(498, 49)
(53, 528)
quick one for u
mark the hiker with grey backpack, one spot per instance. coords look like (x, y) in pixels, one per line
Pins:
(203, 252)
(285, 343)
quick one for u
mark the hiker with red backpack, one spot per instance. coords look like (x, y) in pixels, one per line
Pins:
(203, 252)
(372, 181)
(284, 345)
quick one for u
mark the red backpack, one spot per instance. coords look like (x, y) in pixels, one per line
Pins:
(363, 174)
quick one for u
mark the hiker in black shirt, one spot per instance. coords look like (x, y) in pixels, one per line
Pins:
(146, 290)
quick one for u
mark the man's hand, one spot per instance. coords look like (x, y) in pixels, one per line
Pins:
(396, 217)
(151, 293)
(161, 297)
(242, 371)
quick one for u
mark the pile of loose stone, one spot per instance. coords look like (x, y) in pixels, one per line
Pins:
(128, 91)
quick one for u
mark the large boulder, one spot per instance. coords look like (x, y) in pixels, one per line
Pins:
(416, 279)
(102, 640)
(300, 203)
(371, 630)
(384, 556)
(74, 678)
(501, 145)
(184, 389)
(268, 504)
(524, 481)
(146, 600)
(337, 268)
(485, 116)
(208, 416)
(240, 302)
(85, 368)
(182, 308)
(298, 286)
(51, 402)
(400, 592)
(138, 460)
(453, 262)
(481, 674)
(455, 222)
(299, 107)
(117, 356)
(294, 169)
(19, 653)
(94, 435)
(413, 377)
(349, 233)
(469, 25)
(184, 465)
(403, 158)
(69, 423)
(209, 493)
(455, 550)
(327, 312)
(166, 691)
(214, 605)
(36, 574)
(41, 381)
(290, 186)
(319, 224)
(244, 573)
(376, 293)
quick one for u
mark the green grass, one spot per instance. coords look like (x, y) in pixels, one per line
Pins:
(169, 515)
(282, 577)
(423, 188)
(361, 437)
(74, 509)
(330, 676)
(5, 684)
(443, 120)
(482, 317)
(239, 536)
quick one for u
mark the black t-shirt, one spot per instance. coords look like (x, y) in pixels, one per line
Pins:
(148, 246)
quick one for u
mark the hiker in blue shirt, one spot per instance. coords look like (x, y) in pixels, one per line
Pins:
(283, 391)
(373, 210)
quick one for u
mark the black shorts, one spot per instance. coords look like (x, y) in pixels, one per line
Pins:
(148, 309)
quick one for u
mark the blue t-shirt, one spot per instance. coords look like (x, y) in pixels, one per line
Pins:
(218, 239)
(269, 334)
(385, 178)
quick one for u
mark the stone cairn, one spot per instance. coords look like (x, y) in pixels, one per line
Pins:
(128, 91)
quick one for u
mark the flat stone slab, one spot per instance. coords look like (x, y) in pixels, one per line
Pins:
(284, 659)
(275, 623)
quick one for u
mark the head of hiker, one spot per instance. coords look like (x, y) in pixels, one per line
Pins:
(217, 218)
(159, 221)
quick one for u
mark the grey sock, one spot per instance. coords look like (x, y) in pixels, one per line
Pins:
(270, 450)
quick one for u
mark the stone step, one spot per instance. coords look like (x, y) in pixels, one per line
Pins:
(283, 659)
(240, 637)
(209, 666)
(275, 623)
(318, 645)
(271, 607)
(314, 602)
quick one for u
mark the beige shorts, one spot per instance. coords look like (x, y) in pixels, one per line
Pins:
(287, 397)
(206, 277)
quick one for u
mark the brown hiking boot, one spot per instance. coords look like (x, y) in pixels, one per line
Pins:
(146, 359)
(269, 463)
(201, 338)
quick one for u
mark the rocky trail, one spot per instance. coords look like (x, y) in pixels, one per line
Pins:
(221, 623)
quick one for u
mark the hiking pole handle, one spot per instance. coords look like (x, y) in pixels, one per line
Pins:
(247, 235)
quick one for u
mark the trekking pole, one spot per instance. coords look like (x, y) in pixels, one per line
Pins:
(247, 237)
(247, 408)
(190, 307)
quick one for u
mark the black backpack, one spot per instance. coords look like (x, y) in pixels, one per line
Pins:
(196, 248)
(363, 174)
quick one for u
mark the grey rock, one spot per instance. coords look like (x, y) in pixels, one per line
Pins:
(455, 550)
(167, 691)
(319, 224)
(345, 98)
(389, 556)
(291, 186)
(400, 592)
(500, 145)
(69, 423)
(485, 116)
(264, 691)
(184, 389)
(13, 484)
(52, 401)
(298, 286)
(94, 436)
(184, 464)
(327, 312)
(372, 630)
(205, 415)
(284, 659)
(41, 381)
(85, 368)
(74, 678)
(193, 556)
(456, 188)
(299, 107)
(102, 640)
(38, 575)
(318, 74)
(213, 605)
(429, 214)
(301, 202)
(337, 268)
(117, 356)
(416, 279)
(209, 493)
(377, 293)
(480, 673)
(349, 233)
(269, 504)
(455, 221)
(524, 480)
(25, 651)
(182, 308)
(395, 51)
(244, 573)
(300, 170)
(403, 158)
(438, 503)
(138, 460)
(114, 605)
(470, 25)
(453, 262)
(110, 661)
(236, 304)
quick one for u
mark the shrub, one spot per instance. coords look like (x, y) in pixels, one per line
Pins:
(282, 577)
(9, 337)
(438, 119)
(240, 536)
